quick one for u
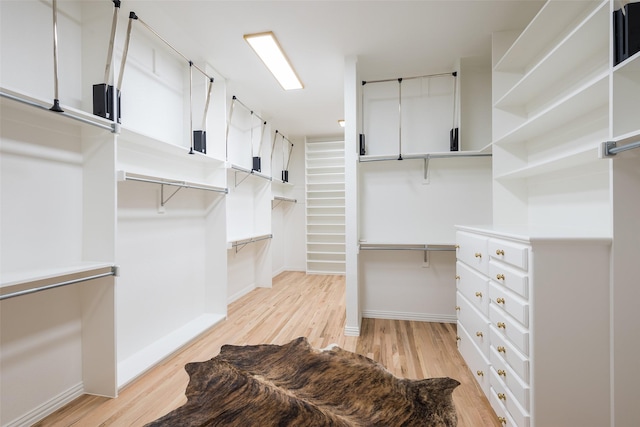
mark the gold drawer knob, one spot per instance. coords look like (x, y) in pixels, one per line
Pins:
(499, 252)
(480, 373)
(479, 294)
(502, 420)
(479, 334)
(457, 277)
(500, 300)
(502, 396)
(501, 349)
(458, 338)
(457, 246)
(457, 308)
(500, 276)
(502, 372)
(502, 325)
(478, 255)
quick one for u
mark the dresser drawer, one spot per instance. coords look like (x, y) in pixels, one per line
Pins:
(516, 306)
(472, 250)
(512, 381)
(512, 279)
(502, 350)
(509, 328)
(508, 401)
(476, 324)
(504, 417)
(476, 361)
(474, 286)
(509, 252)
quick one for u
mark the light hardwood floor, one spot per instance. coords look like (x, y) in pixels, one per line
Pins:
(297, 305)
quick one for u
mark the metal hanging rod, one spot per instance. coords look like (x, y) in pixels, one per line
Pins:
(611, 148)
(181, 184)
(456, 154)
(285, 199)
(89, 119)
(405, 247)
(453, 74)
(280, 199)
(132, 15)
(242, 243)
(112, 272)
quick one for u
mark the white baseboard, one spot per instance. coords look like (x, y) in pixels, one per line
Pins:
(420, 317)
(240, 293)
(150, 356)
(48, 407)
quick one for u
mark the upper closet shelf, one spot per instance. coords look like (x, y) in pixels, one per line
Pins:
(151, 144)
(548, 25)
(17, 98)
(247, 172)
(582, 46)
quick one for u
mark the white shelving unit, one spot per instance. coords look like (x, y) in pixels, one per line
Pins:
(559, 104)
(325, 204)
(58, 225)
(550, 114)
(171, 213)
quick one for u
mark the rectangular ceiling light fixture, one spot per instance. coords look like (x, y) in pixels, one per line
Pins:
(268, 49)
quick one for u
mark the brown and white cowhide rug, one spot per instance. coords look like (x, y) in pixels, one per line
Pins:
(296, 385)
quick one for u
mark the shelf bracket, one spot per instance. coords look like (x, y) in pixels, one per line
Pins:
(163, 201)
(236, 183)
(426, 169)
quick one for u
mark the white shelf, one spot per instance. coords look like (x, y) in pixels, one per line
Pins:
(589, 57)
(41, 108)
(568, 160)
(549, 25)
(581, 101)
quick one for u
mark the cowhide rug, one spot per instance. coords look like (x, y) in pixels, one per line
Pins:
(295, 385)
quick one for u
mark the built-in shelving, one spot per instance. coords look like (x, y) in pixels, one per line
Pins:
(325, 206)
(550, 115)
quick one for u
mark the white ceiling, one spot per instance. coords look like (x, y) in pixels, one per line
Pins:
(390, 38)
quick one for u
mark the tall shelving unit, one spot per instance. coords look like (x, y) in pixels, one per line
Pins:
(559, 105)
(325, 206)
(551, 111)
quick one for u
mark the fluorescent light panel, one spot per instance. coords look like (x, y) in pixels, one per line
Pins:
(268, 49)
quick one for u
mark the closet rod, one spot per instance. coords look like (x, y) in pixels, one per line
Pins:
(363, 159)
(87, 120)
(407, 247)
(611, 148)
(242, 243)
(285, 199)
(182, 184)
(364, 82)
(113, 272)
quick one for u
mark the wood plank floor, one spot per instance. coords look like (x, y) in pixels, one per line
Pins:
(296, 305)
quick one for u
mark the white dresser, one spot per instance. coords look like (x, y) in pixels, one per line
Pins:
(533, 324)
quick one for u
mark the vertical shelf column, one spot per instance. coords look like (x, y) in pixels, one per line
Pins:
(325, 204)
